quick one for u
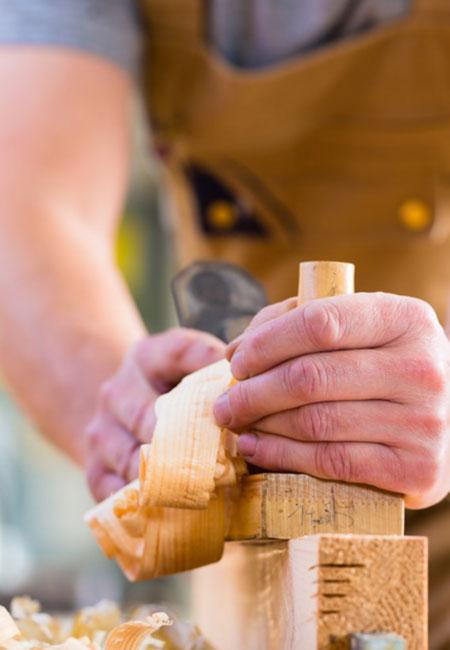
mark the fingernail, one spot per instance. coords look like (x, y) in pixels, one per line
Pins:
(231, 347)
(222, 410)
(247, 443)
(238, 366)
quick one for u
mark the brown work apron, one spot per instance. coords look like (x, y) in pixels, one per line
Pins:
(342, 153)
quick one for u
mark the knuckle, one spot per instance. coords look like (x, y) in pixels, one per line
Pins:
(420, 314)
(305, 379)
(289, 380)
(433, 424)
(323, 323)
(428, 372)
(333, 461)
(314, 423)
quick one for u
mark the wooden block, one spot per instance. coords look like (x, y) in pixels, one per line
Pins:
(312, 593)
(285, 506)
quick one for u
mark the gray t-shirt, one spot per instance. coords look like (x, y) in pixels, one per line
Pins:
(249, 33)
(252, 33)
(107, 28)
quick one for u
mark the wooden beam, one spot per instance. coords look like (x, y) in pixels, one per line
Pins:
(313, 593)
(285, 506)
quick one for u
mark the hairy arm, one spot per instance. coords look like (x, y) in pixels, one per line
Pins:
(66, 317)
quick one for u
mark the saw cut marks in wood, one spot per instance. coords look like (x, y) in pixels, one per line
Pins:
(314, 592)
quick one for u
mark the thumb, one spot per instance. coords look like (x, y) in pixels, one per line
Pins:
(166, 358)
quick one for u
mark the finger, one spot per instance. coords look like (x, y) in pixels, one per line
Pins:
(147, 425)
(113, 446)
(331, 376)
(168, 357)
(362, 320)
(128, 396)
(102, 483)
(375, 421)
(352, 462)
(266, 314)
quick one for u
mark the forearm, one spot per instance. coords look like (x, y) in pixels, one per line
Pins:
(66, 321)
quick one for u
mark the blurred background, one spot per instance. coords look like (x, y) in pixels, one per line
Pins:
(46, 550)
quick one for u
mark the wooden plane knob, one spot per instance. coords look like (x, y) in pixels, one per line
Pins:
(325, 279)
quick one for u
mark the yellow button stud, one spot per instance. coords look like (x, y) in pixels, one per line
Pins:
(415, 215)
(222, 215)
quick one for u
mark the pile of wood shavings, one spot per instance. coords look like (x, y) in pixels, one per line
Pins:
(101, 627)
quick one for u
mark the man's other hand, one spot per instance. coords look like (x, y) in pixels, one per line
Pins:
(352, 388)
(124, 418)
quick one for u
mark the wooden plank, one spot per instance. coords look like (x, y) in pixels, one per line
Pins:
(285, 506)
(312, 593)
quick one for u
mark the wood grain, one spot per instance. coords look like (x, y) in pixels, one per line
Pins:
(324, 280)
(284, 506)
(149, 542)
(311, 593)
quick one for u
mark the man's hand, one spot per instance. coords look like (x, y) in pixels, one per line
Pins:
(125, 418)
(353, 388)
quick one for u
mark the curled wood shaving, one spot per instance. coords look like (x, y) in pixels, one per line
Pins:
(106, 521)
(178, 466)
(39, 627)
(92, 628)
(89, 621)
(23, 606)
(130, 636)
(8, 628)
(230, 467)
(180, 635)
(174, 517)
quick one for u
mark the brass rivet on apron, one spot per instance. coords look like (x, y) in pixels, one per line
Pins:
(222, 215)
(415, 215)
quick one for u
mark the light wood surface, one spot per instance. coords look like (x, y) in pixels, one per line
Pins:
(311, 593)
(284, 506)
(324, 280)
